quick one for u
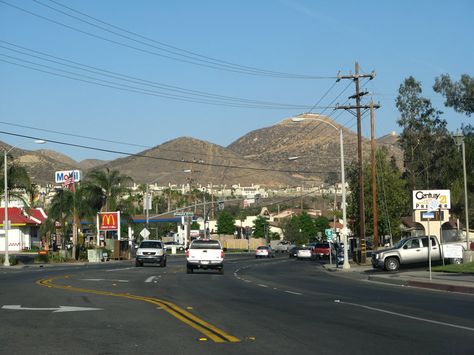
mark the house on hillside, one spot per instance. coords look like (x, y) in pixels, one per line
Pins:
(24, 228)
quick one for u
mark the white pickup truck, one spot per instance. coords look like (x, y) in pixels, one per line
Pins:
(205, 254)
(414, 250)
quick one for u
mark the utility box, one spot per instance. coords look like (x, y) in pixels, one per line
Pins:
(94, 255)
(121, 250)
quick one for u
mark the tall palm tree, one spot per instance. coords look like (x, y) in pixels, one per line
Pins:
(107, 187)
(71, 205)
(18, 180)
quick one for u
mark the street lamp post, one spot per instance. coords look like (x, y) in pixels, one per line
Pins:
(346, 264)
(459, 139)
(6, 225)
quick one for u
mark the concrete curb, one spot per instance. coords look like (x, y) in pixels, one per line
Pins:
(434, 285)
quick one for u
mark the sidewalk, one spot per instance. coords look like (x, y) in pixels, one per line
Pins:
(452, 282)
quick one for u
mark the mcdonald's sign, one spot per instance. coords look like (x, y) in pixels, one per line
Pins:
(108, 220)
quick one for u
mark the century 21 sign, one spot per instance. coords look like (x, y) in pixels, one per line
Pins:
(431, 199)
(108, 220)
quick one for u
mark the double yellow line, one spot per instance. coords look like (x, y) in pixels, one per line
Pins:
(215, 334)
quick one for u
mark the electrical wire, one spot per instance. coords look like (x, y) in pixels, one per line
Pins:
(138, 155)
(181, 58)
(129, 88)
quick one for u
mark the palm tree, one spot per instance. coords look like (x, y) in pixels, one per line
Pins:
(107, 187)
(71, 205)
(18, 180)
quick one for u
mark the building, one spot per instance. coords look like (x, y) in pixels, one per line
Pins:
(23, 233)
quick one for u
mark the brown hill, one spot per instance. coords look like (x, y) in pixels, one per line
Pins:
(185, 159)
(88, 164)
(316, 144)
(41, 164)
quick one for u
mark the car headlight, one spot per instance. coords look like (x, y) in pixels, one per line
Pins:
(378, 256)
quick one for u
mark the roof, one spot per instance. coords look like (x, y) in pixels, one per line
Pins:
(22, 217)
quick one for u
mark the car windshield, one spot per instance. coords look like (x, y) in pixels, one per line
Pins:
(262, 248)
(205, 244)
(150, 244)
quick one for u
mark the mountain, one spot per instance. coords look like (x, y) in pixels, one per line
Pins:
(41, 164)
(303, 143)
(186, 159)
(298, 150)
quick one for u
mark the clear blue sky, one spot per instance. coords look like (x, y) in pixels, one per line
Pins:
(306, 37)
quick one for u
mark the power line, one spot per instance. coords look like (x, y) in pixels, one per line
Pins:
(175, 56)
(137, 155)
(138, 90)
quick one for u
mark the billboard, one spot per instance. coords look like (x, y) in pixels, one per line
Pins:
(108, 221)
(61, 177)
(431, 200)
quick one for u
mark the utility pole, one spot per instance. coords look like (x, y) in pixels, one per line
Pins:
(374, 177)
(358, 115)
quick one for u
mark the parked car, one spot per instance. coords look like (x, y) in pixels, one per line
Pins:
(413, 250)
(151, 251)
(293, 251)
(283, 246)
(321, 250)
(304, 253)
(169, 246)
(264, 252)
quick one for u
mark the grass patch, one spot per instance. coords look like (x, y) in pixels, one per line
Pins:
(467, 268)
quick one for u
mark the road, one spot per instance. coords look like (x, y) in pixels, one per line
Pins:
(274, 306)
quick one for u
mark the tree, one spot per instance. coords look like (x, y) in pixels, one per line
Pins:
(107, 187)
(18, 179)
(426, 143)
(225, 223)
(292, 231)
(306, 225)
(321, 224)
(459, 95)
(70, 206)
(261, 227)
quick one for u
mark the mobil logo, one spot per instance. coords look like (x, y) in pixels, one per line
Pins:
(61, 177)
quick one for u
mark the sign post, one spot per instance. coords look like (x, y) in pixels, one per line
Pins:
(329, 236)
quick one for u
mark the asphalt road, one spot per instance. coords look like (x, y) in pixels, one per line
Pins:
(274, 306)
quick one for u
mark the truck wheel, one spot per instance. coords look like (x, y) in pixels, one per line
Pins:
(221, 271)
(392, 264)
(137, 263)
(189, 270)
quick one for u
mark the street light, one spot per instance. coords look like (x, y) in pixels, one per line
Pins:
(6, 262)
(346, 264)
(459, 140)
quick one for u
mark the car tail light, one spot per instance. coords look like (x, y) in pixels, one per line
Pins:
(187, 253)
(222, 254)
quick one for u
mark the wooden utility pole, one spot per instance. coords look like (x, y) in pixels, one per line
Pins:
(374, 177)
(357, 107)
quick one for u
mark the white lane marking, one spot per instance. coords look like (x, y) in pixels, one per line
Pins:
(405, 315)
(127, 268)
(294, 293)
(261, 285)
(150, 279)
(60, 309)
(112, 280)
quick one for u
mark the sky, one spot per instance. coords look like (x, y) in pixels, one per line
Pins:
(123, 76)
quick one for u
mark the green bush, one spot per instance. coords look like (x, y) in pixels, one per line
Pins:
(42, 258)
(11, 258)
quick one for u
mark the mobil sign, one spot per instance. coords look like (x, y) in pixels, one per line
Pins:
(61, 177)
